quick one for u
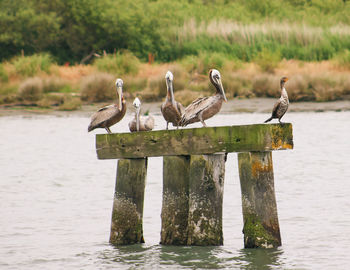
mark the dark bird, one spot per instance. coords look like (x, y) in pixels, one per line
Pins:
(281, 106)
(205, 107)
(171, 109)
(140, 123)
(111, 114)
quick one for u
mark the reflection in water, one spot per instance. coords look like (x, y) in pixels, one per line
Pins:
(261, 258)
(193, 257)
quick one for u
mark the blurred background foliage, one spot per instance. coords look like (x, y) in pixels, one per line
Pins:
(72, 29)
(251, 42)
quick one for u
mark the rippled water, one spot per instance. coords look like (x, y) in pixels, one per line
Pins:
(56, 200)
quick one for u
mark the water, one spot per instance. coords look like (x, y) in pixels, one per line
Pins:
(56, 200)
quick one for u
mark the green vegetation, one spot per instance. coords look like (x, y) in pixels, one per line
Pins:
(29, 66)
(249, 41)
(98, 87)
(310, 30)
(119, 64)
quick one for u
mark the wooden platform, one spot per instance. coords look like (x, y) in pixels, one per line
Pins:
(194, 141)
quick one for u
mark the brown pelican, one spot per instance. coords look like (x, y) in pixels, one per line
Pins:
(140, 123)
(281, 106)
(112, 114)
(171, 109)
(204, 108)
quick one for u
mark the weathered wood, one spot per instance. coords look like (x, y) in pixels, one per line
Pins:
(126, 227)
(195, 141)
(206, 188)
(175, 200)
(261, 228)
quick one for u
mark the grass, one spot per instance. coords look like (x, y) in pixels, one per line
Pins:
(29, 66)
(121, 63)
(71, 87)
(31, 89)
(98, 87)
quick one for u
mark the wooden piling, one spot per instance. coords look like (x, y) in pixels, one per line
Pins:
(192, 206)
(175, 200)
(126, 227)
(207, 173)
(261, 228)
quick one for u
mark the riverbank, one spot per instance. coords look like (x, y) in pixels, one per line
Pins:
(253, 105)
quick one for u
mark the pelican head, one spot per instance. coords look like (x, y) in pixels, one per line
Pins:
(137, 106)
(169, 77)
(215, 78)
(119, 85)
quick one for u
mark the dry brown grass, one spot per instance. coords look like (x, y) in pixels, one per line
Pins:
(98, 87)
(31, 89)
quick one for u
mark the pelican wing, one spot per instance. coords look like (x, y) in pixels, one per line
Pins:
(197, 107)
(180, 108)
(103, 115)
(149, 123)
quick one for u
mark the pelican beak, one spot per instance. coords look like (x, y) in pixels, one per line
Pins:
(120, 94)
(222, 90)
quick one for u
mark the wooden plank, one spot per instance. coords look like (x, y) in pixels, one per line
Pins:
(126, 225)
(194, 141)
(261, 227)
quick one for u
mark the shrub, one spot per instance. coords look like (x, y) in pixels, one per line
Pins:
(325, 88)
(70, 103)
(266, 85)
(268, 60)
(204, 62)
(98, 87)
(133, 84)
(297, 88)
(236, 85)
(31, 89)
(28, 66)
(51, 99)
(118, 64)
(343, 59)
(8, 93)
(157, 86)
(53, 84)
(3, 74)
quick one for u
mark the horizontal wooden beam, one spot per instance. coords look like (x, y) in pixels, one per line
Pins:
(195, 141)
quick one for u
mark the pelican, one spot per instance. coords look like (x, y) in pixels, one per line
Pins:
(281, 106)
(111, 114)
(206, 107)
(171, 109)
(140, 123)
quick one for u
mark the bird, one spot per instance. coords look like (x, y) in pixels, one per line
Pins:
(140, 123)
(171, 109)
(205, 107)
(111, 114)
(281, 106)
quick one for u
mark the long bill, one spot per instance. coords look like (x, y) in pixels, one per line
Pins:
(221, 89)
(120, 94)
(170, 91)
(138, 119)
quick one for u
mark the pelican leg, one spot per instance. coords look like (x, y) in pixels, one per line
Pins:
(279, 120)
(201, 119)
(167, 124)
(108, 130)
